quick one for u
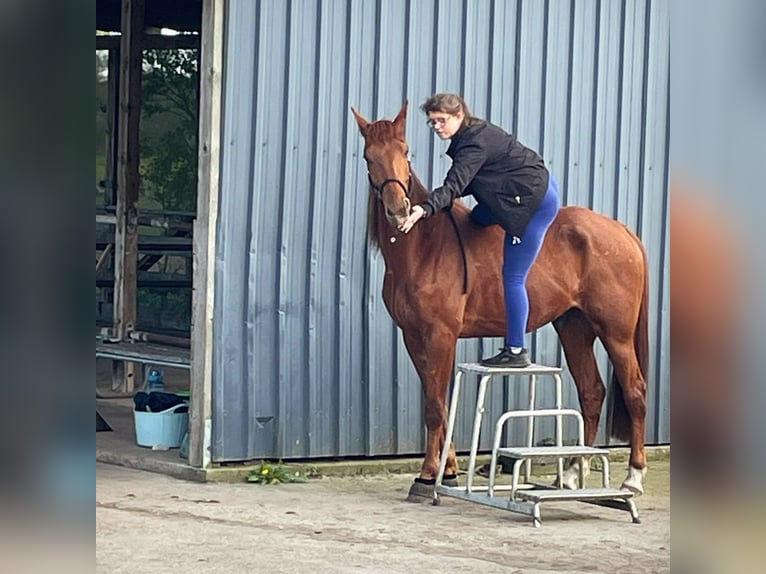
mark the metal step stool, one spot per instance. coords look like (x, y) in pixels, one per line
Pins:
(525, 498)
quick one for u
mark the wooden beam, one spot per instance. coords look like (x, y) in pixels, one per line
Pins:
(148, 221)
(152, 42)
(202, 332)
(128, 154)
(104, 254)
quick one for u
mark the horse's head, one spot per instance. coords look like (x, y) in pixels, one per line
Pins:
(388, 166)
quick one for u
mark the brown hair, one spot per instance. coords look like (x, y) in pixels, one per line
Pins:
(449, 104)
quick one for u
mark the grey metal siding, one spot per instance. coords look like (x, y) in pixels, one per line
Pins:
(307, 362)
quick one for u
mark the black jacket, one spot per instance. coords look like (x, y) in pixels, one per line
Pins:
(490, 164)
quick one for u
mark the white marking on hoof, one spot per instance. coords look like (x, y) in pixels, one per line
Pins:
(571, 477)
(635, 480)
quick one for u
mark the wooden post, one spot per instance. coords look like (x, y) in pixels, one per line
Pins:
(126, 230)
(211, 68)
(112, 114)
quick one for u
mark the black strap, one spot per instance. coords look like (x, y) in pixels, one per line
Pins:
(462, 250)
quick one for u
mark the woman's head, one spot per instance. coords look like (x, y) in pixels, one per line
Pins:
(447, 113)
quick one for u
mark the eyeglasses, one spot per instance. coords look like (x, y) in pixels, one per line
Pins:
(432, 123)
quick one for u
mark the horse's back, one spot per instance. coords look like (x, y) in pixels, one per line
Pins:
(584, 242)
(580, 227)
(591, 262)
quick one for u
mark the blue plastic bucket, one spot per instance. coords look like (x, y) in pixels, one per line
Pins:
(163, 429)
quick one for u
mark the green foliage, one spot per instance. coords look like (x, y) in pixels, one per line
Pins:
(269, 473)
(169, 166)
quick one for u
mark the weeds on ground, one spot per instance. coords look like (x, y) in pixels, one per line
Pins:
(270, 473)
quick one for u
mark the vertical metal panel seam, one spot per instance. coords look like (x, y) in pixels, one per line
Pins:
(368, 253)
(376, 59)
(644, 117)
(369, 398)
(434, 69)
(406, 56)
(246, 335)
(309, 238)
(490, 61)
(464, 43)
(342, 198)
(594, 106)
(366, 358)
(544, 75)
(664, 255)
(281, 231)
(618, 119)
(564, 187)
(516, 70)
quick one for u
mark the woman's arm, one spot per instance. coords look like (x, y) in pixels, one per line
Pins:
(466, 163)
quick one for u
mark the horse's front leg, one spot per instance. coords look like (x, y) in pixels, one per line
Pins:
(434, 361)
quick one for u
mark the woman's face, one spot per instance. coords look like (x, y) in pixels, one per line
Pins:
(445, 125)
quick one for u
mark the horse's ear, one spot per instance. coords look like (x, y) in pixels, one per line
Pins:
(363, 123)
(401, 119)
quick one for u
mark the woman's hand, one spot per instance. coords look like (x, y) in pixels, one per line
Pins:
(415, 215)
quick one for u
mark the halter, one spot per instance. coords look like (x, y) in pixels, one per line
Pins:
(378, 189)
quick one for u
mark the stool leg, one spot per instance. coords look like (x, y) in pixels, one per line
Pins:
(531, 425)
(450, 431)
(476, 430)
(559, 429)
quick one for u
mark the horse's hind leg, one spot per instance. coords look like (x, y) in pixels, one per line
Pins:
(633, 386)
(577, 337)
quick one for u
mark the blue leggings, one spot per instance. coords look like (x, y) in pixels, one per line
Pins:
(518, 259)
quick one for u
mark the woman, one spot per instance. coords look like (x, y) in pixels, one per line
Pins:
(513, 189)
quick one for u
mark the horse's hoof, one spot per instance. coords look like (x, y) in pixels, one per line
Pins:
(571, 478)
(569, 481)
(421, 491)
(450, 480)
(635, 481)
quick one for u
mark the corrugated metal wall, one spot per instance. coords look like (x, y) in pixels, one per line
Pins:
(307, 362)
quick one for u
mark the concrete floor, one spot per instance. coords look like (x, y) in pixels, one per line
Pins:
(150, 523)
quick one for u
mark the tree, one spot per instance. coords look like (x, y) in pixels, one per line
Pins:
(169, 134)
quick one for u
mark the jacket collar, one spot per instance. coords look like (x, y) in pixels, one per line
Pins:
(455, 140)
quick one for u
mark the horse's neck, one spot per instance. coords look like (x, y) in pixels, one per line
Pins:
(419, 244)
(418, 192)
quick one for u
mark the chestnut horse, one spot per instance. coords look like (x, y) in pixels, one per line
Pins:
(590, 280)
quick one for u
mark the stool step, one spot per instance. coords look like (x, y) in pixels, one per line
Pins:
(557, 451)
(533, 369)
(576, 494)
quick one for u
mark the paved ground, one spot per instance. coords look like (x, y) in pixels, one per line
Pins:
(149, 522)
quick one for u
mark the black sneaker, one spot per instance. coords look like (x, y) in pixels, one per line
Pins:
(506, 358)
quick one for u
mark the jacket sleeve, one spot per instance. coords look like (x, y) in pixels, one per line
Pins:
(466, 163)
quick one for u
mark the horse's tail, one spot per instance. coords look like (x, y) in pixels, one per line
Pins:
(621, 426)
